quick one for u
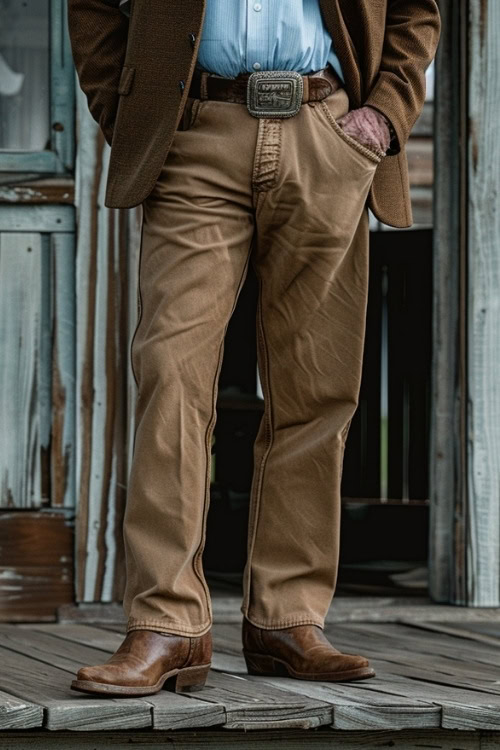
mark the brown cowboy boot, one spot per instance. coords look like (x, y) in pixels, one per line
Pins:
(301, 651)
(145, 661)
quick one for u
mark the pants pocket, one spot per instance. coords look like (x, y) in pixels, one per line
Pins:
(351, 142)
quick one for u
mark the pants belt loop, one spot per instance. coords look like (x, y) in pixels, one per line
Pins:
(305, 94)
(203, 85)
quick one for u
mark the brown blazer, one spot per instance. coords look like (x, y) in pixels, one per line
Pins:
(136, 71)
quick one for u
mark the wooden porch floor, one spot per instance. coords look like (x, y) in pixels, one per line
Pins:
(437, 684)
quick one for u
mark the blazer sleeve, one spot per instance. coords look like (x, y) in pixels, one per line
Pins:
(411, 38)
(98, 33)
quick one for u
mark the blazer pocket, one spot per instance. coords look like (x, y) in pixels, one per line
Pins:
(126, 79)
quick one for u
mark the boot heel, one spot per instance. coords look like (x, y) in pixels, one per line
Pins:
(260, 664)
(191, 679)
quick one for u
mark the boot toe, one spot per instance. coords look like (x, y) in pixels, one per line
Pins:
(357, 662)
(92, 674)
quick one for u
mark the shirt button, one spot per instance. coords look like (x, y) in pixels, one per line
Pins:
(256, 66)
(257, 6)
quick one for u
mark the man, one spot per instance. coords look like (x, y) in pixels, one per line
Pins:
(250, 131)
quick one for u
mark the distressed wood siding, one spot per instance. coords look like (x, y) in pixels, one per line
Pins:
(37, 373)
(465, 497)
(447, 532)
(62, 423)
(483, 306)
(104, 393)
(23, 375)
(36, 564)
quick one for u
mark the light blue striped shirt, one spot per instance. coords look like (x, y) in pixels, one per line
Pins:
(247, 35)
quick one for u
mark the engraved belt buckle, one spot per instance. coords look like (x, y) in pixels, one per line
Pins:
(274, 93)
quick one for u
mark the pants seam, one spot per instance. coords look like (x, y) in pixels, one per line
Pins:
(197, 555)
(260, 477)
(140, 303)
(168, 626)
(287, 623)
(271, 130)
(258, 155)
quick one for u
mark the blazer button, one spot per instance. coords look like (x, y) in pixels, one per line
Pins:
(192, 37)
(181, 85)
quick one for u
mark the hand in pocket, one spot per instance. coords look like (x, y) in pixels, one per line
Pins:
(367, 126)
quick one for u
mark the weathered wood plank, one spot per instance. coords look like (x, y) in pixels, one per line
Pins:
(413, 671)
(40, 218)
(18, 714)
(46, 190)
(447, 552)
(63, 81)
(49, 687)
(62, 443)
(485, 715)
(357, 709)
(85, 635)
(22, 258)
(460, 708)
(50, 649)
(484, 632)
(483, 314)
(259, 706)
(464, 637)
(108, 246)
(171, 711)
(45, 541)
(430, 643)
(101, 371)
(37, 377)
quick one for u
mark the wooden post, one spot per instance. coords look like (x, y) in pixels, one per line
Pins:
(465, 443)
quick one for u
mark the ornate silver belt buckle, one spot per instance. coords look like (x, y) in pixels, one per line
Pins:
(274, 93)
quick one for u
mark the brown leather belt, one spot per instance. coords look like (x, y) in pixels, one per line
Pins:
(267, 93)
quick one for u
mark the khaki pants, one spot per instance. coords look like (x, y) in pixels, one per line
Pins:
(289, 195)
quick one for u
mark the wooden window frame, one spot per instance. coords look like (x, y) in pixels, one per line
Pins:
(59, 158)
